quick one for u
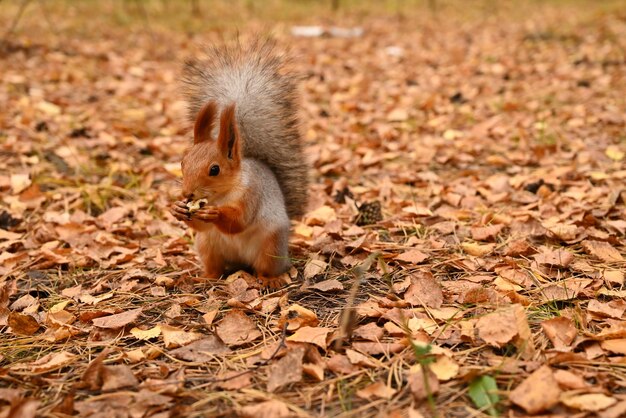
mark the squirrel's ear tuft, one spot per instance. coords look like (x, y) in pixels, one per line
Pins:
(228, 139)
(204, 123)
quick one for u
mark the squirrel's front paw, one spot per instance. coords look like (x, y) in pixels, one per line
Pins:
(180, 211)
(207, 214)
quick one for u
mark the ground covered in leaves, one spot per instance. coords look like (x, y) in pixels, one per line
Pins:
(463, 254)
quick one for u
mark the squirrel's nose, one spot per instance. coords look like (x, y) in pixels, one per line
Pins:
(189, 197)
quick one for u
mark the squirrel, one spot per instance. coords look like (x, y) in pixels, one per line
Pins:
(242, 184)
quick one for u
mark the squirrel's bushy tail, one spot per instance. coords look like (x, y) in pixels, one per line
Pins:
(266, 103)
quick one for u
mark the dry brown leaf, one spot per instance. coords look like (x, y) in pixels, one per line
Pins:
(19, 182)
(603, 250)
(588, 401)
(235, 380)
(369, 331)
(286, 370)
(202, 350)
(312, 335)
(340, 364)
(376, 390)
(561, 332)
(614, 309)
(425, 290)
(569, 380)
(332, 285)
(359, 359)
(616, 411)
(477, 250)
(497, 328)
(614, 276)
(22, 324)
(175, 337)
(118, 377)
(47, 363)
(267, 409)
(316, 371)
(617, 346)
(412, 257)
(296, 316)
(558, 257)
(485, 233)
(313, 268)
(417, 383)
(538, 392)
(236, 328)
(118, 320)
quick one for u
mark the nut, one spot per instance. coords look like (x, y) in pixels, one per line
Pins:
(196, 205)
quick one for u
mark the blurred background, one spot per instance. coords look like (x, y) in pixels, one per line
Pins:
(94, 18)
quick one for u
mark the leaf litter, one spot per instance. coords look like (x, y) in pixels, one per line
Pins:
(462, 253)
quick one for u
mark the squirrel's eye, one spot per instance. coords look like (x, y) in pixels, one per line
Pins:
(214, 170)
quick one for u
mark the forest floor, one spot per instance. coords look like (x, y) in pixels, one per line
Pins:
(491, 281)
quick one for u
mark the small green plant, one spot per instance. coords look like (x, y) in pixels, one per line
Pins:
(483, 391)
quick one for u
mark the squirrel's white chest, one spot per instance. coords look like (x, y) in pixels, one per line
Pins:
(243, 247)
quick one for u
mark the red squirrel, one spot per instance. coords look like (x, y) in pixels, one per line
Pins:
(245, 176)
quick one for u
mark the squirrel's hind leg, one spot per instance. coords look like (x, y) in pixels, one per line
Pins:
(273, 260)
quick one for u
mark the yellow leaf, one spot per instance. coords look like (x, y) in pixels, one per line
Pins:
(444, 368)
(477, 250)
(59, 306)
(146, 334)
(614, 153)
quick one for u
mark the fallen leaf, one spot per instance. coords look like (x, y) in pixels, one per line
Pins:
(340, 364)
(425, 291)
(613, 309)
(201, 351)
(477, 250)
(444, 368)
(332, 285)
(603, 250)
(20, 182)
(313, 268)
(369, 331)
(376, 390)
(558, 257)
(412, 257)
(267, 409)
(497, 328)
(588, 401)
(312, 335)
(286, 370)
(561, 332)
(234, 380)
(296, 316)
(569, 380)
(118, 320)
(485, 233)
(617, 346)
(175, 337)
(118, 377)
(236, 328)
(422, 383)
(146, 334)
(22, 324)
(538, 392)
(49, 362)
